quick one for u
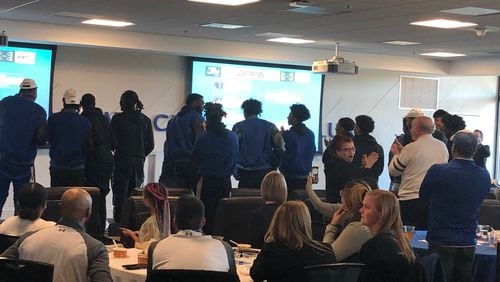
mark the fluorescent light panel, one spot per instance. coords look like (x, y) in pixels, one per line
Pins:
(472, 11)
(401, 42)
(290, 40)
(443, 54)
(107, 23)
(443, 23)
(224, 26)
(226, 2)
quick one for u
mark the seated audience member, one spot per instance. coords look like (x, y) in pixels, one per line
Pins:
(76, 256)
(189, 248)
(388, 256)
(325, 208)
(345, 127)
(31, 204)
(157, 226)
(345, 232)
(273, 191)
(289, 247)
(341, 168)
(455, 191)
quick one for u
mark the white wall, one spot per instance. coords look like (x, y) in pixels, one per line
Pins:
(159, 79)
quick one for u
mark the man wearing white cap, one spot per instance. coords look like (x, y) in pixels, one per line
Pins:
(69, 140)
(22, 128)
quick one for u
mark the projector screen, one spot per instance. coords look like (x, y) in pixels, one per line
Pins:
(23, 60)
(276, 86)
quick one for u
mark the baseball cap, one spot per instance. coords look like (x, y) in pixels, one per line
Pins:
(28, 83)
(415, 112)
(465, 142)
(70, 97)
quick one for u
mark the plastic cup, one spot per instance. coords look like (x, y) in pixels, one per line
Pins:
(409, 230)
(142, 259)
(119, 253)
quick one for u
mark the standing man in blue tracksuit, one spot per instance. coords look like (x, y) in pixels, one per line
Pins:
(299, 148)
(22, 127)
(182, 132)
(216, 153)
(261, 146)
(70, 138)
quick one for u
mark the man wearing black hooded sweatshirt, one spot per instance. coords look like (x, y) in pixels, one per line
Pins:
(182, 132)
(100, 162)
(134, 141)
(366, 144)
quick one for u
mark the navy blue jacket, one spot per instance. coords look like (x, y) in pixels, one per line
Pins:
(69, 139)
(182, 132)
(22, 127)
(261, 144)
(216, 154)
(299, 152)
(455, 191)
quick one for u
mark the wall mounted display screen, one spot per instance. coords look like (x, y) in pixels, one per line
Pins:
(276, 86)
(23, 60)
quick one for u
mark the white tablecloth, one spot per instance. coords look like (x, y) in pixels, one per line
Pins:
(121, 274)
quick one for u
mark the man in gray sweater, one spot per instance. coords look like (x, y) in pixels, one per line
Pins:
(76, 256)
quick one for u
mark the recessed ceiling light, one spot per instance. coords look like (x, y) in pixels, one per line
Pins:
(472, 11)
(443, 23)
(226, 2)
(290, 40)
(401, 42)
(107, 22)
(224, 26)
(443, 54)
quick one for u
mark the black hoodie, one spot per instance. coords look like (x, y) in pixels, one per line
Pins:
(366, 144)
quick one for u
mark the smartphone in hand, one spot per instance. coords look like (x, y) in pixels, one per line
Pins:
(315, 174)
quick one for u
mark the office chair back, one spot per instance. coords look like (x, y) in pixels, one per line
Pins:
(181, 275)
(13, 270)
(346, 272)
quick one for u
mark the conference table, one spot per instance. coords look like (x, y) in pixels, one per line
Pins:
(485, 259)
(120, 274)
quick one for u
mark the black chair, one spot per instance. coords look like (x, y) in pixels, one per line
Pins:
(181, 275)
(232, 218)
(498, 263)
(6, 241)
(345, 272)
(244, 192)
(53, 210)
(13, 270)
(489, 213)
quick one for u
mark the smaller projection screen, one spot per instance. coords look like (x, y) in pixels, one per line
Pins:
(276, 86)
(23, 60)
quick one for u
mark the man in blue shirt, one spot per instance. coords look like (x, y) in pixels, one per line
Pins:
(22, 128)
(261, 146)
(299, 148)
(70, 138)
(182, 132)
(455, 191)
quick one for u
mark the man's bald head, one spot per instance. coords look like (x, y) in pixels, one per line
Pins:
(421, 126)
(76, 204)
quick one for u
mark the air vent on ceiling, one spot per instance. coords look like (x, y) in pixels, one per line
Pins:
(418, 92)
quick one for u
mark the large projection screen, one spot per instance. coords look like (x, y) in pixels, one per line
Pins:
(276, 86)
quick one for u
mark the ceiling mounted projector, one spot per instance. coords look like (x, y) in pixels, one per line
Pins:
(336, 64)
(4, 39)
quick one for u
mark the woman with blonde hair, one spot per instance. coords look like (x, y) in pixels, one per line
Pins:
(345, 231)
(289, 247)
(273, 191)
(388, 255)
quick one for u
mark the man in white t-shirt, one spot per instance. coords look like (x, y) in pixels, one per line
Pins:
(412, 162)
(189, 249)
